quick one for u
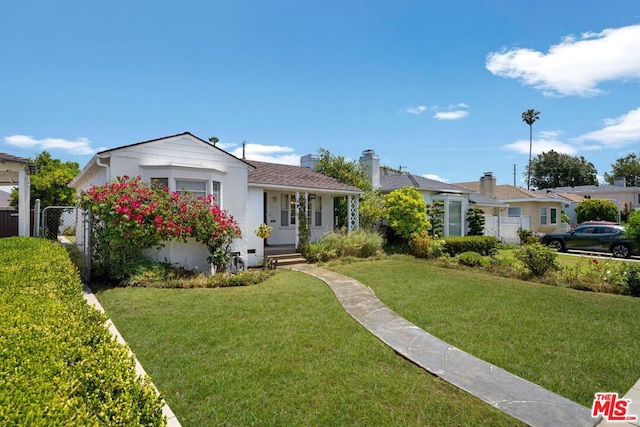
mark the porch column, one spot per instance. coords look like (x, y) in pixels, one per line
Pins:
(24, 202)
(297, 227)
(353, 218)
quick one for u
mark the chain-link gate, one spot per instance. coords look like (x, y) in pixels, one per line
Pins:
(71, 226)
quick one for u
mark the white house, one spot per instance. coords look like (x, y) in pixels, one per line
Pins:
(15, 171)
(252, 192)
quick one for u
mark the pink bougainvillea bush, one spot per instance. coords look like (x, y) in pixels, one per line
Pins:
(129, 216)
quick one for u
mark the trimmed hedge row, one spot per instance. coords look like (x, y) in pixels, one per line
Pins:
(484, 245)
(59, 365)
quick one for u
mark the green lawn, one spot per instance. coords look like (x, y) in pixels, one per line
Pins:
(574, 343)
(280, 353)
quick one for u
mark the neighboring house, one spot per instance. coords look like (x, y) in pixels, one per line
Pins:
(252, 192)
(627, 198)
(455, 199)
(530, 210)
(570, 202)
(15, 171)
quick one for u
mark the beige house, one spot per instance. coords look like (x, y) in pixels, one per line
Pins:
(530, 210)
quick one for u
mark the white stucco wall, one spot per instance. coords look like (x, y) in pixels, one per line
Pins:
(182, 158)
(255, 245)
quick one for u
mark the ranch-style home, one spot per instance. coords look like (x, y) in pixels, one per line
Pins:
(455, 199)
(537, 211)
(252, 192)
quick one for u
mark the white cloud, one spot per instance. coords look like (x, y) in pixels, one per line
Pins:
(545, 142)
(79, 146)
(264, 153)
(416, 110)
(435, 177)
(617, 132)
(575, 66)
(451, 115)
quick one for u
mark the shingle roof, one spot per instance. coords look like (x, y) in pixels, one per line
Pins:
(595, 189)
(485, 201)
(392, 180)
(571, 196)
(295, 177)
(11, 158)
(506, 192)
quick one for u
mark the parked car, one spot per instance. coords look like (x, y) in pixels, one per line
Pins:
(592, 237)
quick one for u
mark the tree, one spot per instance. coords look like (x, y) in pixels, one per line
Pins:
(627, 167)
(553, 169)
(351, 173)
(632, 230)
(475, 218)
(406, 212)
(596, 210)
(529, 117)
(49, 182)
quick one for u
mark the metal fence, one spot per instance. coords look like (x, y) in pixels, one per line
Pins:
(70, 226)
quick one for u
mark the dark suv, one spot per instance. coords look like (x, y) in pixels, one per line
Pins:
(592, 237)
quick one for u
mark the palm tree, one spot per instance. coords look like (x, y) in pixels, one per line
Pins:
(529, 117)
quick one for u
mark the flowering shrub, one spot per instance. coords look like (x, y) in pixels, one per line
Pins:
(130, 217)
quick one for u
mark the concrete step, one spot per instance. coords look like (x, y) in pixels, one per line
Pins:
(285, 260)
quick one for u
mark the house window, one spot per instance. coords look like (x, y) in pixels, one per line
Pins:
(287, 210)
(195, 188)
(543, 216)
(318, 211)
(587, 197)
(215, 192)
(553, 214)
(514, 212)
(159, 183)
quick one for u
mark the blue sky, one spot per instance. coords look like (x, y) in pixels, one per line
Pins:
(435, 87)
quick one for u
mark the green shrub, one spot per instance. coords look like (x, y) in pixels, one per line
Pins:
(597, 210)
(537, 258)
(470, 259)
(527, 237)
(406, 212)
(631, 283)
(243, 278)
(422, 245)
(476, 221)
(590, 274)
(484, 245)
(59, 363)
(359, 244)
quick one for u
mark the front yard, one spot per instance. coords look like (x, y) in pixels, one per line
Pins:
(285, 351)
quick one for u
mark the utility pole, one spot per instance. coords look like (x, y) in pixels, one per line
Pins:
(514, 174)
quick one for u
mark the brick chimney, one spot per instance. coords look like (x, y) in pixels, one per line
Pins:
(488, 185)
(371, 164)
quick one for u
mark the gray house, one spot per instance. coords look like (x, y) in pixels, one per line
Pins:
(455, 199)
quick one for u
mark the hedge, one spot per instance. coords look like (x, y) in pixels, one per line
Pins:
(59, 365)
(484, 245)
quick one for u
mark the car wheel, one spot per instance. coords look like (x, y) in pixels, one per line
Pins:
(620, 250)
(556, 244)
